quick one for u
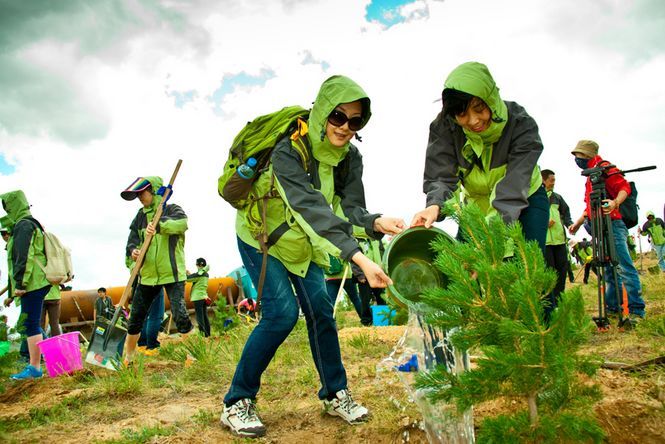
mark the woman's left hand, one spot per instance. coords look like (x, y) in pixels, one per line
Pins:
(19, 292)
(389, 225)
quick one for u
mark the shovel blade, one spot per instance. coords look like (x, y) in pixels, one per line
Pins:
(106, 355)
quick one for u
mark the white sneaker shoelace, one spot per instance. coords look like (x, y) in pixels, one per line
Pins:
(247, 412)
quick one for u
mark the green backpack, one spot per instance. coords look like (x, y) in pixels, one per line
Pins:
(256, 140)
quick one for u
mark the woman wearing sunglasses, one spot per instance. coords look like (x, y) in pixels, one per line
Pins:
(490, 148)
(304, 231)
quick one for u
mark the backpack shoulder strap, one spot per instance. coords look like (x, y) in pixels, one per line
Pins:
(301, 142)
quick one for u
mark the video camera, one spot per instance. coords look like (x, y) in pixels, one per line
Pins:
(596, 173)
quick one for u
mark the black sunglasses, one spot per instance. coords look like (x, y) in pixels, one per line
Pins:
(338, 118)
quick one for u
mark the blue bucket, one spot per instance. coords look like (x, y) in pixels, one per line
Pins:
(382, 315)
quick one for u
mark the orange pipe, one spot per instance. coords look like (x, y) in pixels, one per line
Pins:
(78, 305)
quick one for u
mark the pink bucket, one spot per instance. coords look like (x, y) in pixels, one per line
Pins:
(62, 354)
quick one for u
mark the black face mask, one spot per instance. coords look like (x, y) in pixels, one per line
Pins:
(582, 163)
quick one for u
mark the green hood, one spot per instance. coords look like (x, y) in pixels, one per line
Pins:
(156, 182)
(16, 206)
(474, 78)
(204, 269)
(335, 90)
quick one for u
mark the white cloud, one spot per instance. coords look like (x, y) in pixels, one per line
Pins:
(575, 86)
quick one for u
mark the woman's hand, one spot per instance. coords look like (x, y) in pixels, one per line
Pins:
(389, 225)
(135, 254)
(150, 229)
(19, 292)
(373, 272)
(426, 217)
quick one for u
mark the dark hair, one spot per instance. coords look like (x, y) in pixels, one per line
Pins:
(455, 102)
(546, 173)
(102, 289)
(201, 261)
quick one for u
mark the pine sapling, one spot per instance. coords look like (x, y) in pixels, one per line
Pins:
(496, 305)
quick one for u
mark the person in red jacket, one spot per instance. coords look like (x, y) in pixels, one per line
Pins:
(617, 190)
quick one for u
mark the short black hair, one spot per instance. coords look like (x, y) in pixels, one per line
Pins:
(201, 261)
(102, 289)
(546, 173)
(455, 102)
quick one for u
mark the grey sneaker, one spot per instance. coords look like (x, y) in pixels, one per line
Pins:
(346, 408)
(242, 419)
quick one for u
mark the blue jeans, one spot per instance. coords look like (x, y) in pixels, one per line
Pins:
(660, 254)
(31, 310)
(153, 322)
(627, 274)
(279, 307)
(351, 289)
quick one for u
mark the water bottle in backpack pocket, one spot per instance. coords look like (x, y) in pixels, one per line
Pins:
(240, 183)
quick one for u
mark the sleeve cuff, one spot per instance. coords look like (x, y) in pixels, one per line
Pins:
(369, 227)
(347, 257)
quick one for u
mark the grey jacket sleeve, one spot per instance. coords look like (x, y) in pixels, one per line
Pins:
(349, 187)
(512, 191)
(320, 223)
(564, 212)
(22, 234)
(133, 240)
(441, 177)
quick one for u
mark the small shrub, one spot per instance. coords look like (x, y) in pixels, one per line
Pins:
(125, 381)
(223, 312)
(361, 341)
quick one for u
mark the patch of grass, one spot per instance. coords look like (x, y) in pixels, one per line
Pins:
(64, 411)
(125, 381)
(8, 366)
(205, 417)
(141, 436)
(361, 341)
(200, 348)
(654, 327)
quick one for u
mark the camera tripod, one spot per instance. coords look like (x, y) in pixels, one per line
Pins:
(602, 244)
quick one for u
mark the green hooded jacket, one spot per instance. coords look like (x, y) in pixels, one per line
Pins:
(654, 228)
(199, 282)
(164, 262)
(301, 223)
(25, 246)
(53, 294)
(497, 168)
(560, 214)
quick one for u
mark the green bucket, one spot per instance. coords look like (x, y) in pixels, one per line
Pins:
(409, 261)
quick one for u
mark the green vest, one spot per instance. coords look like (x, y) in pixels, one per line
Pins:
(555, 234)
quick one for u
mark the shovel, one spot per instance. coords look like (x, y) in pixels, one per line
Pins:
(108, 339)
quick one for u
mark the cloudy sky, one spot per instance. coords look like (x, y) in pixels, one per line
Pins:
(96, 93)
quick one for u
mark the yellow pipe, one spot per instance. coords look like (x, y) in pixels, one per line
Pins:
(78, 305)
